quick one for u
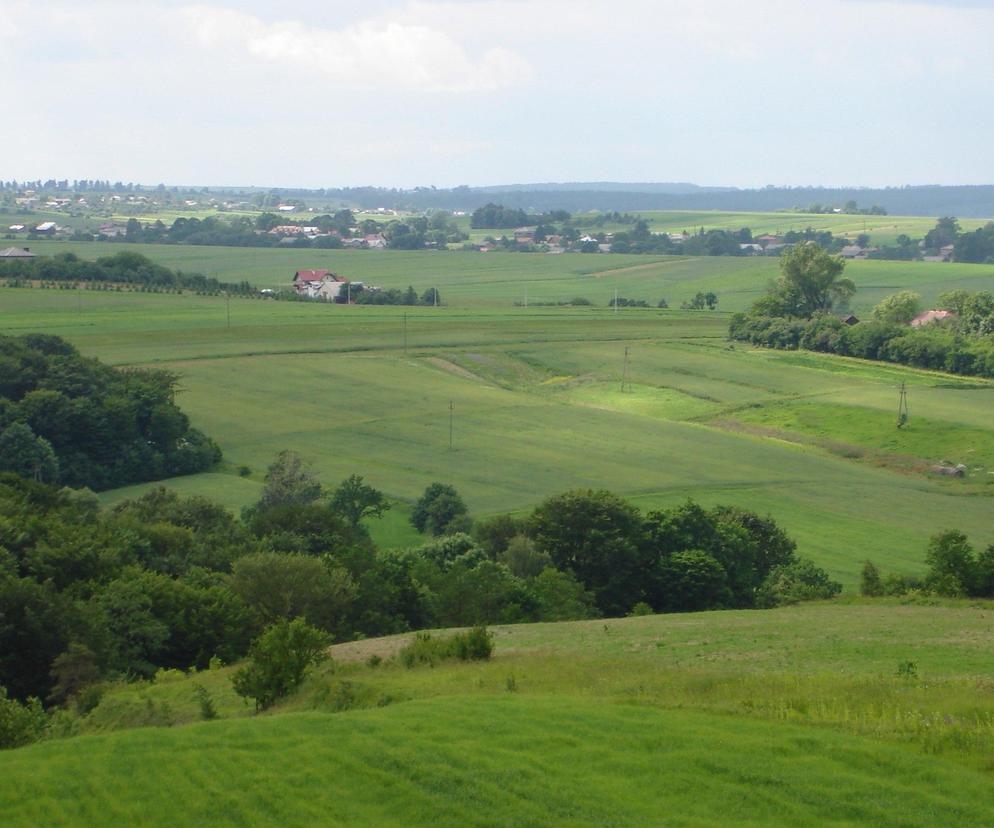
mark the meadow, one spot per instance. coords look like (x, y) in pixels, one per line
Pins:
(496, 280)
(849, 712)
(794, 716)
(537, 408)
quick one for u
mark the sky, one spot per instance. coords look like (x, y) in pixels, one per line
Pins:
(403, 93)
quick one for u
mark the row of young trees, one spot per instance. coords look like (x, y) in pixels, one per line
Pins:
(125, 267)
(170, 582)
(69, 419)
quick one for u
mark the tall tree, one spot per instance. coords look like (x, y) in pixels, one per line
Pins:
(811, 281)
(354, 500)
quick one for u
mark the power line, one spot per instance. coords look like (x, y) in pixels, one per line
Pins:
(626, 380)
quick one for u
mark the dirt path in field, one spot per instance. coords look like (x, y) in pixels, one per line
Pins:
(597, 274)
(452, 368)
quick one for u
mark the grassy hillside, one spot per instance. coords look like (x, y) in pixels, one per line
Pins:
(500, 762)
(794, 716)
(537, 408)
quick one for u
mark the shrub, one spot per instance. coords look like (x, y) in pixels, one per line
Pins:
(476, 644)
(870, 583)
(473, 645)
(207, 709)
(640, 609)
(20, 724)
(278, 661)
(794, 582)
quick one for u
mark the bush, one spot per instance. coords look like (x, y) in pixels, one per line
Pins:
(794, 582)
(473, 645)
(870, 583)
(207, 709)
(20, 724)
(278, 661)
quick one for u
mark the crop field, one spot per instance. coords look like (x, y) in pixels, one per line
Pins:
(793, 716)
(501, 280)
(537, 408)
(881, 229)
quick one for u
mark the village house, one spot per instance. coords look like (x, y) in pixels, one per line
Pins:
(376, 241)
(854, 251)
(113, 231)
(286, 230)
(930, 317)
(319, 284)
(16, 253)
(46, 228)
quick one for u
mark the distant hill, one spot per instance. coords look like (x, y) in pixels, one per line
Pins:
(668, 188)
(961, 201)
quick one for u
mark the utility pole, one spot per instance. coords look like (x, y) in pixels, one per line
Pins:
(405, 333)
(348, 293)
(902, 407)
(227, 306)
(616, 301)
(79, 299)
(435, 297)
(625, 379)
(450, 425)
(526, 294)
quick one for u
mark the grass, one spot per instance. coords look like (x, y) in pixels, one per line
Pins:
(537, 408)
(790, 716)
(499, 280)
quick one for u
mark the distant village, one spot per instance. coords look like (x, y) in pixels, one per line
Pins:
(268, 221)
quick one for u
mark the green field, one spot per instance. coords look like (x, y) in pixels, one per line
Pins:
(537, 409)
(473, 280)
(785, 717)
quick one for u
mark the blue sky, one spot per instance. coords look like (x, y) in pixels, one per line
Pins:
(831, 92)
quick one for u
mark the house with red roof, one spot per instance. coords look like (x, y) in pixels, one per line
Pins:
(319, 284)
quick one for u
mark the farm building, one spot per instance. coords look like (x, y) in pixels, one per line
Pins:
(47, 228)
(16, 253)
(317, 284)
(930, 317)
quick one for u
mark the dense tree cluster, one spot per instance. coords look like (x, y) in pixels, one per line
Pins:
(962, 344)
(68, 419)
(124, 267)
(685, 558)
(170, 582)
(497, 216)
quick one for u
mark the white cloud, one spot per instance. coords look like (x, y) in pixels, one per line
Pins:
(366, 55)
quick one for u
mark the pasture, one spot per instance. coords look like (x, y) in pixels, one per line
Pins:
(537, 408)
(498, 280)
(793, 716)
